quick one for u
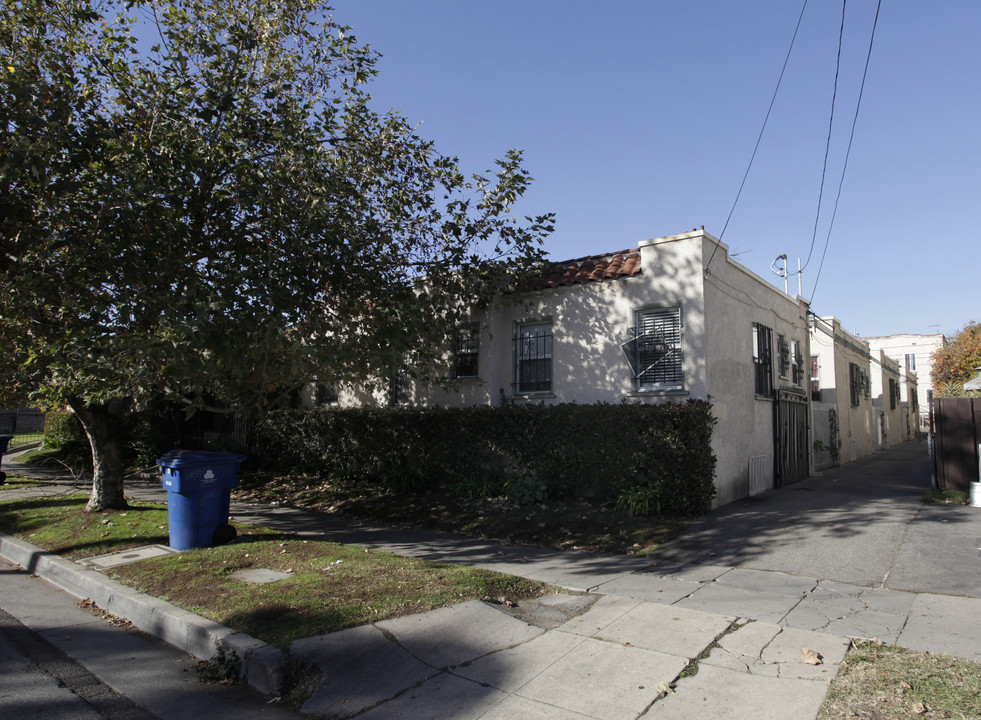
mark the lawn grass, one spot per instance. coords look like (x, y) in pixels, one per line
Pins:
(569, 525)
(945, 497)
(886, 682)
(327, 587)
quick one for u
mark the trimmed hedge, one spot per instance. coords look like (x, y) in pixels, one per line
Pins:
(645, 458)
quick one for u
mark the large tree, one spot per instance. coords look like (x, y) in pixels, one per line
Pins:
(197, 199)
(958, 361)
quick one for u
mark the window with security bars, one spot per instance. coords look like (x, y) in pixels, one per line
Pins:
(466, 353)
(893, 393)
(654, 353)
(783, 355)
(763, 360)
(533, 358)
(796, 363)
(815, 380)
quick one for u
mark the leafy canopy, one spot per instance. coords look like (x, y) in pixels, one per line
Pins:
(198, 200)
(958, 361)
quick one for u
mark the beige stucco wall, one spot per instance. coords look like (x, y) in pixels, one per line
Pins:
(836, 348)
(735, 298)
(923, 346)
(590, 323)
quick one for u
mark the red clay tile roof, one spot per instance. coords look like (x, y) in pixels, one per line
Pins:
(595, 268)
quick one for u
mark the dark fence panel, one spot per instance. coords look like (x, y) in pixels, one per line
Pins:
(957, 436)
(25, 424)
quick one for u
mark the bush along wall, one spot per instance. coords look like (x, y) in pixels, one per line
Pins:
(648, 459)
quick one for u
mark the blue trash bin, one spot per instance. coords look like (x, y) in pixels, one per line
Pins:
(198, 486)
(4, 442)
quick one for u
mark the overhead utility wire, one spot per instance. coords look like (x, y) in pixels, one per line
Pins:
(851, 137)
(760, 138)
(827, 144)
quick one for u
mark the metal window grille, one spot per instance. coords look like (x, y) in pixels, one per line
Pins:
(655, 352)
(467, 351)
(854, 383)
(763, 359)
(783, 355)
(892, 394)
(533, 358)
(797, 363)
(815, 380)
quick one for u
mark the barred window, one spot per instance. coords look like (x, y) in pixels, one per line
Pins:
(466, 353)
(533, 358)
(763, 360)
(797, 363)
(783, 355)
(654, 353)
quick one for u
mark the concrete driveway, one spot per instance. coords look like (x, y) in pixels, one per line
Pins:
(861, 524)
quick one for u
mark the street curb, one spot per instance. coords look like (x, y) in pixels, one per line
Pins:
(262, 666)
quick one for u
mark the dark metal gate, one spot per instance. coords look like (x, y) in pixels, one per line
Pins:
(955, 422)
(790, 437)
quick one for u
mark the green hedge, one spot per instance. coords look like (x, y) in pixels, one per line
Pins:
(645, 458)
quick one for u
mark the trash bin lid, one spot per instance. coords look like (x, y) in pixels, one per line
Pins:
(190, 458)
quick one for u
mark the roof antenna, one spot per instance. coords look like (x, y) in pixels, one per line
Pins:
(781, 271)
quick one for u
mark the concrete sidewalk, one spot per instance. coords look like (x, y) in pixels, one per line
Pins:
(667, 637)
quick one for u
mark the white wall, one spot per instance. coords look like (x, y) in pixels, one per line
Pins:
(898, 347)
(591, 322)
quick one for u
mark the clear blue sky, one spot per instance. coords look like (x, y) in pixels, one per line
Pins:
(638, 119)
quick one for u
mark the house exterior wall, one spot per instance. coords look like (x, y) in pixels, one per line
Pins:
(735, 299)
(851, 413)
(591, 322)
(888, 411)
(922, 347)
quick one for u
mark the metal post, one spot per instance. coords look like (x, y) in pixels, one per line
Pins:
(931, 441)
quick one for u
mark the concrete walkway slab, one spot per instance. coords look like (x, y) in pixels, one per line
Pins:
(509, 669)
(853, 611)
(444, 696)
(649, 587)
(361, 667)
(457, 634)
(762, 648)
(944, 624)
(717, 692)
(718, 598)
(604, 680)
(666, 628)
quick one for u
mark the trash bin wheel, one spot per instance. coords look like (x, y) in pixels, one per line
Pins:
(224, 535)
(3, 477)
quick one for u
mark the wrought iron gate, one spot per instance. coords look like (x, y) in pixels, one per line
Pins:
(790, 437)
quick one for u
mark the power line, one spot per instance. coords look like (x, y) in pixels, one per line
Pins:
(760, 138)
(827, 144)
(848, 151)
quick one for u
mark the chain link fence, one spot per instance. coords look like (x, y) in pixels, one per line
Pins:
(24, 424)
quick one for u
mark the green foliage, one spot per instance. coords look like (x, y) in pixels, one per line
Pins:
(218, 213)
(599, 453)
(957, 362)
(62, 428)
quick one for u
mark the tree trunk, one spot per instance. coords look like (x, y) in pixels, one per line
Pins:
(102, 429)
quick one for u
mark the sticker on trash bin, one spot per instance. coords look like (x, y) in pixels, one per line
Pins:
(210, 475)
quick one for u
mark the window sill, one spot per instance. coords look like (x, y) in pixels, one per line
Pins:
(677, 392)
(768, 398)
(539, 395)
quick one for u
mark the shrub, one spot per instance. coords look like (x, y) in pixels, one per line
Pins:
(646, 458)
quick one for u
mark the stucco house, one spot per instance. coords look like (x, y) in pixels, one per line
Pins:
(860, 397)
(674, 318)
(841, 392)
(915, 354)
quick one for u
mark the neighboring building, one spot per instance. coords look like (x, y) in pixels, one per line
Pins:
(841, 394)
(887, 402)
(915, 354)
(673, 319)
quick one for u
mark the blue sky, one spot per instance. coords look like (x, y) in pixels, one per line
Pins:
(638, 119)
